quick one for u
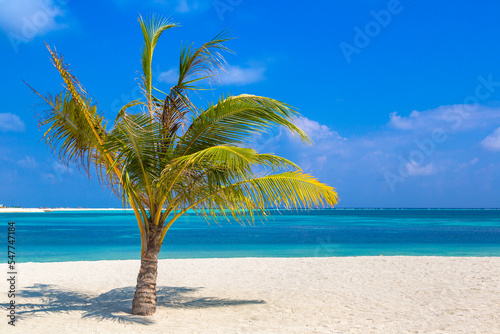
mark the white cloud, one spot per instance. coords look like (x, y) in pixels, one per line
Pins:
(401, 123)
(57, 172)
(26, 19)
(321, 159)
(424, 150)
(234, 75)
(183, 6)
(492, 142)
(11, 122)
(315, 130)
(60, 168)
(406, 158)
(170, 77)
(468, 163)
(49, 177)
(452, 118)
(237, 75)
(28, 162)
(414, 169)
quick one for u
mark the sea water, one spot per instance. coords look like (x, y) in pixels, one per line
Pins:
(114, 235)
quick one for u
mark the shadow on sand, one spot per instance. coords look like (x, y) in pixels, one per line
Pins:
(114, 305)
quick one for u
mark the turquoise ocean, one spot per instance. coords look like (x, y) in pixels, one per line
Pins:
(114, 235)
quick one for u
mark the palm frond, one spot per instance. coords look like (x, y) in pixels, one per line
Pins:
(75, 135)
(134, 140)
(243, 199)
(232, 159)
(195, 65)
(201, 63)
(123, 110)
(234, 120)
(151, 30)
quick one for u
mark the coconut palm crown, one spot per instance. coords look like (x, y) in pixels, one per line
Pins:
(164, 156)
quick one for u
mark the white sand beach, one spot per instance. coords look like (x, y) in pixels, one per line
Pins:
(264, 295)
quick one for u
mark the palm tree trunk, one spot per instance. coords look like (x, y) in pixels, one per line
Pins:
(144, 302)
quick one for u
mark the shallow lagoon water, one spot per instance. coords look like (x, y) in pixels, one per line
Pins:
(114, 235)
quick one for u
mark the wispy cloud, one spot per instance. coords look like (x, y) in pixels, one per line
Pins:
(451, 118)
(414, 169)
(467, 164)
(60, 168)
(234, 75)
(492, 142)
(11, 122)
(170, 77)
(406, 148)
(49, 177)
(316, 130)
(28, 162)
(241, 75)
(403, 123)
(30, 18)
(24, 20)
(184, 6)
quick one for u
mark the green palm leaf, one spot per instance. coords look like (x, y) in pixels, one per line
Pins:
(256, 195)
(234, 119)
(151, 30)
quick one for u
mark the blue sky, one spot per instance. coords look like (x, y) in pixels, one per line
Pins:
(402, 98)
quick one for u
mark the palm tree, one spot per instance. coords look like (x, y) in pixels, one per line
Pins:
(165, 156)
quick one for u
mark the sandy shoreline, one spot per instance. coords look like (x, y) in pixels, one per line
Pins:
(264, 295)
